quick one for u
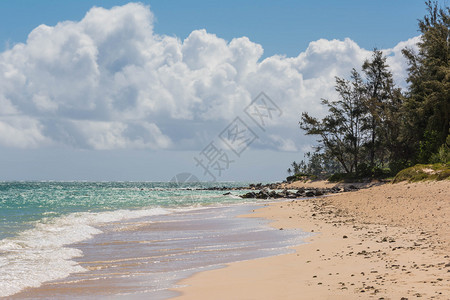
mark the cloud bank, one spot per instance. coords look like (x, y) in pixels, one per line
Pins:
(109, 82)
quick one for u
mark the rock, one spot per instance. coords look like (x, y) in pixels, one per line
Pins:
(291, 195)
(300, 193)
(350, 188)
(263, 194)
(310, 193)
(249, 195)
(318, 192)
(228, 193)
(268, 191)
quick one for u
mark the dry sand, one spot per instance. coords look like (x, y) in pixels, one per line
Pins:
(387, 242)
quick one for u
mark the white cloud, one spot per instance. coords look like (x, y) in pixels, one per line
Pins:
(108, 82)
(283, 144)
(119, 135)
(21, 132)
(398, 62)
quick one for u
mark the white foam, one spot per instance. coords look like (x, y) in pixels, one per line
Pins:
(41, 254)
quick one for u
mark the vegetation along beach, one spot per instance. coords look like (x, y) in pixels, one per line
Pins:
(232, 150)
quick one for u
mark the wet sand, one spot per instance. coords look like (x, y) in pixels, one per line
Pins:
(142, 258)
(385, 242)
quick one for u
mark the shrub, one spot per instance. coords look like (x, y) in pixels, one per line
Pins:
(424, 172)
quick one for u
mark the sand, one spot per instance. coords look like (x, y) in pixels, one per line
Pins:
(386, 242)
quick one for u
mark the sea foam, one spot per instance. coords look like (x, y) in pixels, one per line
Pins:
(42, 254)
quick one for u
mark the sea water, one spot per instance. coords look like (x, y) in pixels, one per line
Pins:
(123, 239)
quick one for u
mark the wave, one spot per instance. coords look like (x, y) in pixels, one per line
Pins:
(42, 254)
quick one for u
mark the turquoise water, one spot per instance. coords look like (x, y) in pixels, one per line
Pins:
(22, 204)
(40, 221)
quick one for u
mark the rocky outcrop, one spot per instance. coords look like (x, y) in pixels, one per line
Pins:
(265, 193)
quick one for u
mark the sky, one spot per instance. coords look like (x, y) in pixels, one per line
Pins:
(142, 91)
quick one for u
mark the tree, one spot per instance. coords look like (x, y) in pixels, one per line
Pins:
(341, 131)
(382, 101)
(427, 102)
(315, 163)
(363, 127)
(297, 168)
(372, 123)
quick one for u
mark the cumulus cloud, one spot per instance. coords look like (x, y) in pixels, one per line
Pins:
(397, 62)
(108, 82)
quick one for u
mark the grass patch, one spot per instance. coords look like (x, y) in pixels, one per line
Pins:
(424, 172)
(364, 175)
(301, 176)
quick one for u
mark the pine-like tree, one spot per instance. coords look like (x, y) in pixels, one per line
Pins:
(341, 131)
(382, 101)
(427, 105)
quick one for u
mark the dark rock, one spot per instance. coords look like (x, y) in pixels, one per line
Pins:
(310, 193)
(350, 188)
(291, 195)
(249, 195)
(318, 193)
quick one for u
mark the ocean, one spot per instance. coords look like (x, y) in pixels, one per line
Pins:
(124, 239)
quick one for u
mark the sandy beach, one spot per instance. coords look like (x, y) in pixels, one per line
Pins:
(386, 242)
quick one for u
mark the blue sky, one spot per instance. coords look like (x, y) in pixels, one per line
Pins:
(138, 91)
(281, 27)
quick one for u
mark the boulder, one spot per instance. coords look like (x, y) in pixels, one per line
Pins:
(310, 193)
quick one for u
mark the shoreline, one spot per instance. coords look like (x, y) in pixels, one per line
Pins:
(166, 249)
(385, 242)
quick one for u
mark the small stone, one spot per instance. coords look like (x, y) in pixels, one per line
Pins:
(345, 237)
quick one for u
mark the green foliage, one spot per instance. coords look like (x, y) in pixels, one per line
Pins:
(424, 172)
(382, 101)
(427, 110)
(341, 130)
(373, 129)
(315, 165)
(362, 125)
(397, 165)
(364, 174)
(301, 177)
(427, 146)
(338, 177)
(443, 154)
